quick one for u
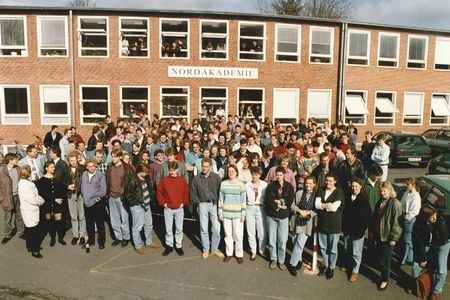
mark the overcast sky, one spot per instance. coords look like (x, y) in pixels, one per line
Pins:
(417, 13)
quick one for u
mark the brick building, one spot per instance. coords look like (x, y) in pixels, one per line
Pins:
(73, 66)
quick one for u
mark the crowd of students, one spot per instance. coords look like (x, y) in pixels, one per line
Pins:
(271, 180)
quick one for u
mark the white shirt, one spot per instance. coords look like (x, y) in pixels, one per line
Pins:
(411, 203)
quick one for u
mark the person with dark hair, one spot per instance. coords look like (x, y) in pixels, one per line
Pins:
(164, 170)
(52, 138)
(34, 160)
(322, 169)
(92, 141)
(350, 168)
(64, 143)
(372, 186)
(366, 150)
(380, 155)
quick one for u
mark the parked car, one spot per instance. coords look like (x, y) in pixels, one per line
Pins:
(406, 148)
(438, 139)
(440, 164)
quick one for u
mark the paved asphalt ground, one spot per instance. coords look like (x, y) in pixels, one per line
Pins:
(67, 272)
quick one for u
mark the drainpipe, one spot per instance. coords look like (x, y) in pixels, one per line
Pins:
(341, 75)
(72, 69)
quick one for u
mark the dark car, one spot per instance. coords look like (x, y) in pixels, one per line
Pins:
(438, 139)
(406, 148)
(440, 164)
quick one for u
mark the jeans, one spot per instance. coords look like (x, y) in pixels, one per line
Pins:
(119, 219)
(407, 238)
(353, 252)
(441, 253)
(299, 241)
(141, 218)
(278, 233)
(169, 215)
(13, 219)
(328, 243)
(76, 211)
(207, 212)
(416, 268)
(234, 236)
(385, 250)
(255, 221)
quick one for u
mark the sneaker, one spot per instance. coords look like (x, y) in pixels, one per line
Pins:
(179, 251)
(116, 242)
(353, 277)
(74, 241)
(167, 251)
(140, 250)
(153, 245)
(273, 264)
(282, 266)
(292, 270)
(217, 253)
(253, 257)
(205, 254)
(82, 241)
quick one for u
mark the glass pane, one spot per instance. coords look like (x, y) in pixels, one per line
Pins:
(321, 37)
(93, 93)
(134, 24)
(174, 26)
(219, 93)
(53, 33)
(12, 32)
(416, 49)
(134, 108)
(174, 91)
(214, 27)
(16, 101)
(358, 44)
(388, 47)
(287, 47)
(55, 108)
(94, 41)
(134, 93)
(289, 35)
(174, 105)
(97, 23)
(95, 108)
(250, 95)
(252, 30)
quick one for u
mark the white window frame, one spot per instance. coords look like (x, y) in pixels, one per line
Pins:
(308, 105)
(93, 32)
(435, 54)
(447, 96)
(49, 116)
(81, 101)
(225, 99)
(424, 61)
(121, 87)
(299, 44)
(318, 56)
(359, 58)
(134, 32)
(261, 39)
(66, 36)
(394, 102)
(23, 49)
(214, 35)
(421, 110)
(175, 34)
(3, 108)
(397, 51)
(351, 116)
(188, 95)
(297, 90)
(262, 102)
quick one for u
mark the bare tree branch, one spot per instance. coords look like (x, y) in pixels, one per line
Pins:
(81, 3)
(330, 9)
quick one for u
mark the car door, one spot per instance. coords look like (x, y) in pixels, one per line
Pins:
(430, 137)
(442, 140)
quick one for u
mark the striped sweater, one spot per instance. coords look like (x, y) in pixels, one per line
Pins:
(232, 202)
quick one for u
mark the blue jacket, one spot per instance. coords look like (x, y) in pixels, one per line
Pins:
(93, 189)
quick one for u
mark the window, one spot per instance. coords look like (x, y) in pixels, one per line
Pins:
(15, 104)
(252, 41)
(13, 32)
(55, 101)
(93, 36)
(442, 54)
(388, 50)
(319, 105)
(417, 52)
(214, 39)
(94, 104)
(174, 102)
(286, 105)
(385, 108)
(134, 101)
(356, 107)
(358, 50)
(251, 102)
(52, 36)
(134, 37)
(440, 109)
(413, 108)
(321, 45)
(174, 38)
(287, 45)
(213, 101)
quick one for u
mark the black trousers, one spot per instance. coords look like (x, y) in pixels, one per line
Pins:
(95, 215)
(385, 250)
(34, 236)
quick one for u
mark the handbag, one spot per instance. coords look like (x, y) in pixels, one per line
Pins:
(424, 284)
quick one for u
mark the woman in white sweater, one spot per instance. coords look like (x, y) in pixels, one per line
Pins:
(29, 207)
(411, 207)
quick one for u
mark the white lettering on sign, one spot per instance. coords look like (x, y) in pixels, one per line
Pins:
(212, 72)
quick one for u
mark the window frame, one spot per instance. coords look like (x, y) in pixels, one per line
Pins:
(359, 58)
(330, 100)
(421, 109)
(121, 100)
(188, 34)
(42, 104)
(227, 39)
(397, 52)
(262, 102)
(147, 32)
(297, 116)
(40, 48)
(447, 96)
(3, 106)
(81, 101)
(188, 96)
(365, 98)
(299, 44)
(394, 102)
(331, 55)
(200, 88)
(23, 48)
(424, 62)
(263, 39)
(435, 54)
(93, 32)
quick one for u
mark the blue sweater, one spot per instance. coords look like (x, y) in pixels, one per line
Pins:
(93, 189)
(232, 204)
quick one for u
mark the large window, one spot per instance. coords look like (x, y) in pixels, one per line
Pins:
(358, 48)
(13, 36)
(251, 102)
(15, 104)
(213, 101)
(442, 54)
(55, 101)
(413, 108)
(287, 43)
(388, 48)
(134, 101)
(52, 36)
(356, 107)
(94, 103)
(213, 39)
(319, 105)
(321, 45)
(252, 41)
(385, 108)
(93, 36)
(440, 109)
(286, 104)
(134, 37)
(174, 102)
(174, 38)
(417, 51)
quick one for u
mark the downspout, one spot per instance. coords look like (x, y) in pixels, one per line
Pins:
(72, 69)
(341, 75)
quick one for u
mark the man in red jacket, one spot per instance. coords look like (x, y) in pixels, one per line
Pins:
(173, 195)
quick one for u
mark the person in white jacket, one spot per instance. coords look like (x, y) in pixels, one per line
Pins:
(411, 204)
(29, 207)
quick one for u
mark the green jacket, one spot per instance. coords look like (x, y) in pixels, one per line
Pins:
(373, 193)
(391, 222)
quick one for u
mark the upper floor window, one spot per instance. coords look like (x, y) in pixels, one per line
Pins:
(321, 45)
(442, 54)
(93, 36)
(252, 41)
(52, 36)
(214, 39)
(174, 38)
(358, 50)
(417, 51)
(287, 44)
(133, 37)
(388, 50)
(13, 32)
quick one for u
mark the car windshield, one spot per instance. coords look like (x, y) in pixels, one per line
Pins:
(410, 140)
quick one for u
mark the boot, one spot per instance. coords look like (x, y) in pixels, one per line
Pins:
(51, 229)
(61, 229)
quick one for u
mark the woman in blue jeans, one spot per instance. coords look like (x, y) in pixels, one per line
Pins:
(411, 206)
